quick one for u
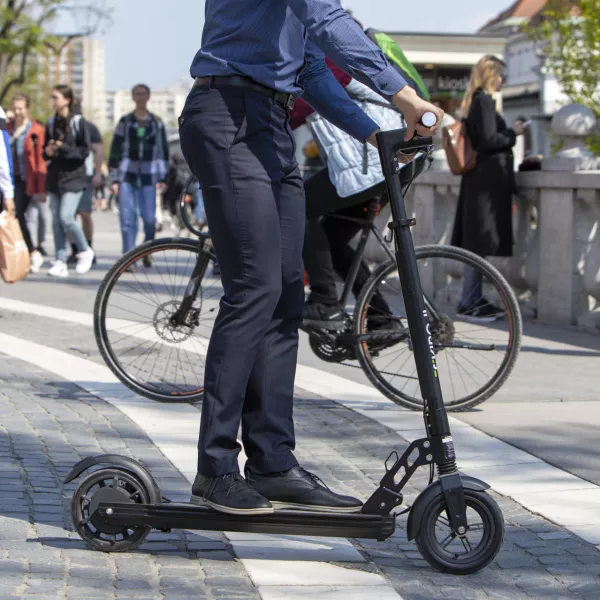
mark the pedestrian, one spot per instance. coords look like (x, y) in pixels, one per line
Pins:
(483, 222)
(67, 148)
(7, 190)
(29, 169)
(139, 159)
(256, 57)
(94, 174)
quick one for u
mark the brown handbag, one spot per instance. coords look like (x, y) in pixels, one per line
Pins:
(460, 153)
(14, 255)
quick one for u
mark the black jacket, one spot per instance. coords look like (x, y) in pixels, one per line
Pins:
(483, 221)
(67, 168)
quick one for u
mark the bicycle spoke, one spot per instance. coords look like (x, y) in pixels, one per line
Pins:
(451, 355)
(152, 301)
(450, 374)
(169, 274)
(149, 283)
(136, 300)
(459, 366)
(134, 335)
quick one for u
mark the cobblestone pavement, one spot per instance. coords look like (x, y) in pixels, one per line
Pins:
(47, 424)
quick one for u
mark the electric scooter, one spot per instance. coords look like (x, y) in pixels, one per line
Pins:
(457, 526)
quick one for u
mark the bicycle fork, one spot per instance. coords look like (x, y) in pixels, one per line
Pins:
(180, 316)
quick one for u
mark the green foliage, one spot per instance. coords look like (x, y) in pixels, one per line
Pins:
(569, 39)
(25, 30)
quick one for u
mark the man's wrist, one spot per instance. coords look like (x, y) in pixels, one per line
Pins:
(372, 138)
(404, 97)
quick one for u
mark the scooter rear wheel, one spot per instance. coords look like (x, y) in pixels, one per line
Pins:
(108, 485)
(450, 553)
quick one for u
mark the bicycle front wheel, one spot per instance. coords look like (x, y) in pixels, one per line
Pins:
(474, 320)
(132, 319)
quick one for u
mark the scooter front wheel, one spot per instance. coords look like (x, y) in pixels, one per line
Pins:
(108, 485)
(461, 555)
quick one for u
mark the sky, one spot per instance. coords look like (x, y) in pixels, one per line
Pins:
(155, 40)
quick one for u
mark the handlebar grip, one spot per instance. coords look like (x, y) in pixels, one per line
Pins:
(428, 119)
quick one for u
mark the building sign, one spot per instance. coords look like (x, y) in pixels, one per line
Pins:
(451, 82)
(446, 81)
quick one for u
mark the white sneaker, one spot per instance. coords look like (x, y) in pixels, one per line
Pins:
(84, 261)
(37, 260)
(58, 269)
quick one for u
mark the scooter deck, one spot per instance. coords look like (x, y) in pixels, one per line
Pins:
(190, 516)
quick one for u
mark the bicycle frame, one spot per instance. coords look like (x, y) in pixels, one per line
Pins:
(205, 254)
(368, 228)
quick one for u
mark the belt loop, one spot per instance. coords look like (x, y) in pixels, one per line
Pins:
(210, 81)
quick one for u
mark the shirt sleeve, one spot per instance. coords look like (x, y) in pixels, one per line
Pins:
(6, 184)
(328, 97)
(95, 135)
(344, 42)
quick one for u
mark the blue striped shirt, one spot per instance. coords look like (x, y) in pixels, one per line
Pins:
(282, 44)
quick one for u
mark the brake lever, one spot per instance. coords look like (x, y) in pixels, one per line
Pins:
(427, 120)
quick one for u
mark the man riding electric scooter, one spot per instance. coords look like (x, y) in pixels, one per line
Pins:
(256, 57)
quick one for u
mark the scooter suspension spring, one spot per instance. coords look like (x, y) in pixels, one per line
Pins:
(447, 468)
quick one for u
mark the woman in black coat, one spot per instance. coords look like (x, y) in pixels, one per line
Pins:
(483, 221)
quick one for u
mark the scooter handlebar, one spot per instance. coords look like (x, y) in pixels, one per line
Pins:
(428, 119)
(392, 142)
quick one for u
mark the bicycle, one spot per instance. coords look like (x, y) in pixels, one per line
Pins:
(473, 361)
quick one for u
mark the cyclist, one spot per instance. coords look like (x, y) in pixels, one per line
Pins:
(350, 182)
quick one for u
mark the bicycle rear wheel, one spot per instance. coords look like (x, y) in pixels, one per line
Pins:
(475, 347)
(132, 319)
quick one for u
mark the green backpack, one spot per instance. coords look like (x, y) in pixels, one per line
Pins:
(395, 55)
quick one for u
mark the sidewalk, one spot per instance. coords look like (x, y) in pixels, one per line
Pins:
(48, 423)
(58, 403)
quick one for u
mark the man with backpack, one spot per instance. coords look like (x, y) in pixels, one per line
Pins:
(93, 167)
(138, 164)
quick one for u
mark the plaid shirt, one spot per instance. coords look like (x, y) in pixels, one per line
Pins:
(140, 161)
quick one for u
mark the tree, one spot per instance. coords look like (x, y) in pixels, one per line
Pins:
(568, 34)
(25, 30)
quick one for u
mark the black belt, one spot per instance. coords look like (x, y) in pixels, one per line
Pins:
(288, 100)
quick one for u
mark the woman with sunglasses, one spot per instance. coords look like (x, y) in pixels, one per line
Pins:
(67, 148)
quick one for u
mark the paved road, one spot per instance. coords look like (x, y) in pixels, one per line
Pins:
(47, 423)
(549, 407)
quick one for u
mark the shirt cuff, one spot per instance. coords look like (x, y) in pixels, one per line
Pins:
(388, 82)
(362, 127)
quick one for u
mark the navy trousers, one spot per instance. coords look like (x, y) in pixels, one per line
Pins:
(239, 145)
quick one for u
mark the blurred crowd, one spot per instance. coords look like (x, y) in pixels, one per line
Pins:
(55, 174)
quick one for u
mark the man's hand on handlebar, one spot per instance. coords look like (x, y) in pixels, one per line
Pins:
(413, 108)
(403, 159)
